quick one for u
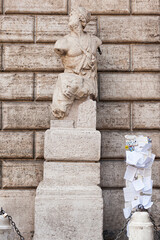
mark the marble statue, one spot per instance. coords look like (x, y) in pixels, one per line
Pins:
(77, 51)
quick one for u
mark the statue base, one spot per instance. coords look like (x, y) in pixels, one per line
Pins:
(68, 202)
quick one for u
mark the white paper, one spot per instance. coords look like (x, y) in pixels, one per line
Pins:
(149, 205)
(135, 203)
(148, 183)
(145, 200)
(132, 158)
(147, 172)
(138, 184)
(141, 140)
(130, 194)
(146, 147)
(140, 172)
(127, 212)
(130, 173)
(149, 192)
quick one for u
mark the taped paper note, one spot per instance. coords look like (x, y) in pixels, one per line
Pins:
(135, 203)
(145, 200)
(130, 194)
(138, 184)
(132, 158)
(130, 173)
(147, 183)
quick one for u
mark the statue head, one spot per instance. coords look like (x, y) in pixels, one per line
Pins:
(79, 16)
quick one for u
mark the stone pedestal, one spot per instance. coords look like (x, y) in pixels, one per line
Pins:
(140, 227)
(69, 200)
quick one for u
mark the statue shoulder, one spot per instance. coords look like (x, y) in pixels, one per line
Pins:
(61, 45)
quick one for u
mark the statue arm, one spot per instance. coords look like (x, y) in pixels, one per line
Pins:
(60, 46)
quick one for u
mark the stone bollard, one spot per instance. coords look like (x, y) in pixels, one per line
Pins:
(140, 227)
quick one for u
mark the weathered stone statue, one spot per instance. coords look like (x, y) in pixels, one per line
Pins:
(78, 53)
(68, 203)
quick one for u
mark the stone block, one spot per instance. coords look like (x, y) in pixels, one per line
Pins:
(19, 174)
(146, 57)
(31, 57)
(113, 115)
(71, 215)
(72, 144)
(113, 210)
(16, 144)
(103, 6)
(87, 114)
(39, 145)
(155, 174)
(16, 86)
(114, 57)
(16, 28)
(72, 174)
(51, 28)
(145, 6)
(45, 83)
(146, 115)
(34, 6)
(117, 86)
(20, 205)
(156, 205)
(113, 143)
(112, 173)
(129, 29)
(26, 115)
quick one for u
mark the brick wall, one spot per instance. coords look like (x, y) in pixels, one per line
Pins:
(129, 94)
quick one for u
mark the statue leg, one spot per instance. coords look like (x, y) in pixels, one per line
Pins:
(62, 99)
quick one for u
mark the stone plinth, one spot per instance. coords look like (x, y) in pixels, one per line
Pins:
(74, 144)
(69, 201)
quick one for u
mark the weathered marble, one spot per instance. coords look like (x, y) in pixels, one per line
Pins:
(77, 51)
